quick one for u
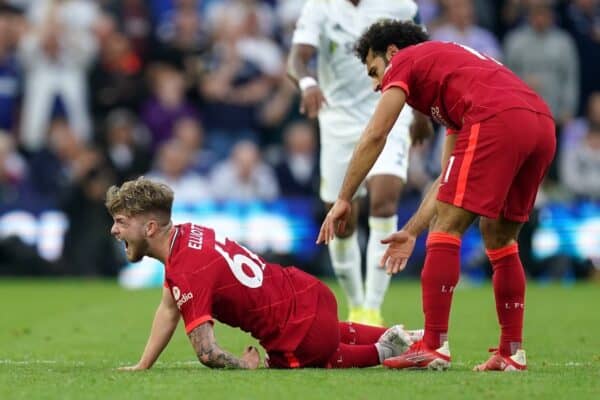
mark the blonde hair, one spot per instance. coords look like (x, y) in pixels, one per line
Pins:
(140, 196)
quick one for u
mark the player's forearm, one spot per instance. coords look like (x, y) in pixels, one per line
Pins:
(217, 358)
(426, 212)
(209, 353)
(163, 326)
(300, 56)
(423, 216)
(365, 154)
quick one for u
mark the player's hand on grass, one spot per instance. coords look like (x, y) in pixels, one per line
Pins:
(136, 367)
(252, 357)
(312, 101)
(335, 221)
(400, 247)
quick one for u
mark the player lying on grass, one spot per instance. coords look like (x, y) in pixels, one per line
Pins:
(501, 142)
(208, 277)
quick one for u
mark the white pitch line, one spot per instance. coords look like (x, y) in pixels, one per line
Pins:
(27, 362)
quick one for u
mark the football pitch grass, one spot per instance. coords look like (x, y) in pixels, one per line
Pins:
(64, 339)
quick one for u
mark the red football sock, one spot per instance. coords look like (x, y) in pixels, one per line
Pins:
(353, 333)
(354, 356)
(438, 279)
(509, 291)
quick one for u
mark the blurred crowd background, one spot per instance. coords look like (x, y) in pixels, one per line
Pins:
(195, 93)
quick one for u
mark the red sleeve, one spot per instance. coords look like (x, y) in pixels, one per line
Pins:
(398, 73)
(192, 295)
(451, 131)
(194, 300)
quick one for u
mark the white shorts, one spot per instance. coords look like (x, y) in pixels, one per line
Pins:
(337, 149)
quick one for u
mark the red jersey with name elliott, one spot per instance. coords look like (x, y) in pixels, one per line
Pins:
(212, 277)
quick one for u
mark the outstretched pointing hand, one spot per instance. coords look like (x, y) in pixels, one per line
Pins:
(335, 221)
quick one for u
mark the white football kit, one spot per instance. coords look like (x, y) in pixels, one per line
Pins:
(333, 27)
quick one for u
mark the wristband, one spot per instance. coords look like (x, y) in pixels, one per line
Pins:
(307, 82)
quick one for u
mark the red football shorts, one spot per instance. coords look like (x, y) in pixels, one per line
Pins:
(320, 342)
(498, 165)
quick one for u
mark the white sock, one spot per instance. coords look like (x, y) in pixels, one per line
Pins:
(346, 260)
(384, 351)
(377, 280)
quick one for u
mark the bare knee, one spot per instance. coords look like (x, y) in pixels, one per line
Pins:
(384, 194)
(383, 207)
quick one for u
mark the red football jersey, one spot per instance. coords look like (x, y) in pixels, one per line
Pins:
(457, 85)
(212, 277)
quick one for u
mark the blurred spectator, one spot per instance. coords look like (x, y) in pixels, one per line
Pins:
(56, 53)
(582, 20)
(288, 12)
(244, 176)
(88, 250)
(12, 171)
(580, 166)
(184, 46)
(125, 148)
(64, 161)
(167, 104)
(244, 67)
(546, 58)
(262, 10)
(512, 14)
(222, 60)
(191, 134)
(429, 11)
(174, 167)
(460, 28)
(433, 13)
(297, 172)
(281, 108)
(116, 77)
(164, 13)
(134, 21)
(576, 129)
(9, 74)
(486, 13)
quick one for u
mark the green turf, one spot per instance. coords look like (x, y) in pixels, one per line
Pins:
(63, 340)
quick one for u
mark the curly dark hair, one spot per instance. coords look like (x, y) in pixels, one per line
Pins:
(383, 33)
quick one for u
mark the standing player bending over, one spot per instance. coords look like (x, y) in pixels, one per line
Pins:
(291, 313)
(344, 101)
(500, 144)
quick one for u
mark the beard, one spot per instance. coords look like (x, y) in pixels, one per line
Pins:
(136, 250)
